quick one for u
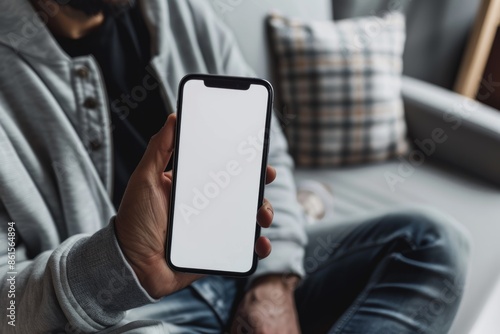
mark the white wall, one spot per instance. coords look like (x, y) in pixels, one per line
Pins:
(246, 19)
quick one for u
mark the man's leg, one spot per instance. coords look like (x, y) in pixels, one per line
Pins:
(187, 312)
(400, 273)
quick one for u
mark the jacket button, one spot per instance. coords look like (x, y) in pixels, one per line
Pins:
(95, 144)
(90, 103)
(82, 72)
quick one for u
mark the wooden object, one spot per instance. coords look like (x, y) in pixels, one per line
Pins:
(479, 49)
(489, 91)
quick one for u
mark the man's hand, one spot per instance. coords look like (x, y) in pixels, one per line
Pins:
(141, 221)
(268, 307)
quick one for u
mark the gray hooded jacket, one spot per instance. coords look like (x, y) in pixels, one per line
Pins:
(56, 167)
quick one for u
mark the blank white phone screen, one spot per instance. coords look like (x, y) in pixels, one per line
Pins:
(218, 177)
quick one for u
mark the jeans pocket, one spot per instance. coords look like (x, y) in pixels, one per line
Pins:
(219, 293)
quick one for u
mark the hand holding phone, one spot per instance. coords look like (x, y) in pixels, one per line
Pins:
(141, 221)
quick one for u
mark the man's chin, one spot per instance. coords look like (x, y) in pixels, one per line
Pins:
(94, 7)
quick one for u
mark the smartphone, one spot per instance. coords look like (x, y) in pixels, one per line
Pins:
(219, 172)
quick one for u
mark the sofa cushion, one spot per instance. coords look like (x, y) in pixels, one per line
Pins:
(342, 82)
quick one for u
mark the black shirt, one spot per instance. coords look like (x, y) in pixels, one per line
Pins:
(121, 46)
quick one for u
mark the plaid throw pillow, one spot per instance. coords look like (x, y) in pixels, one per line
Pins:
(341, 81)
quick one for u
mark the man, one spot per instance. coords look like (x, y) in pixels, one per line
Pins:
(84, 84)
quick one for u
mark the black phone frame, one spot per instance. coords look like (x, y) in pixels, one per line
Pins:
(227, 82)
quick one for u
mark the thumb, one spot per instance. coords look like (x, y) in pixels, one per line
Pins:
(159, 149)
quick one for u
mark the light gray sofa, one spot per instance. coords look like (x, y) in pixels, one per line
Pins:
(462, 175)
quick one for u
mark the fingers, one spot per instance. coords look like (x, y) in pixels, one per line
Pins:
(270, 174)
(263, 247)
(159, 149)
(265, 214)
(265, 217)
(168, 175)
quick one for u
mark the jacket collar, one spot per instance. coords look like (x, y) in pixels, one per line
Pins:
(156, 18)
(22, 29)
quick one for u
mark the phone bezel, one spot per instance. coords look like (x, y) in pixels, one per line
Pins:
(227, 82)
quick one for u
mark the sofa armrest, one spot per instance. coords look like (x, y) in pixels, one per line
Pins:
(452, 128)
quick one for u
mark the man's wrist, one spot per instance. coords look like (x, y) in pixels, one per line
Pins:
(143, 276)
(285, 282)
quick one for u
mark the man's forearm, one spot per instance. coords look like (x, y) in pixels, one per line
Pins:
(269, 306)
(284, 282)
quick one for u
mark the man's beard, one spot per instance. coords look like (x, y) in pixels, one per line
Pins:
(94, 7)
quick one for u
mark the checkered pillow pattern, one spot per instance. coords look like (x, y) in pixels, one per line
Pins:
(340, 84)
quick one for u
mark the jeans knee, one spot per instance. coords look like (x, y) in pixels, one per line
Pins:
(429, 228)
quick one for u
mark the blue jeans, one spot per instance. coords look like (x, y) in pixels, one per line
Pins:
(398, 273)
